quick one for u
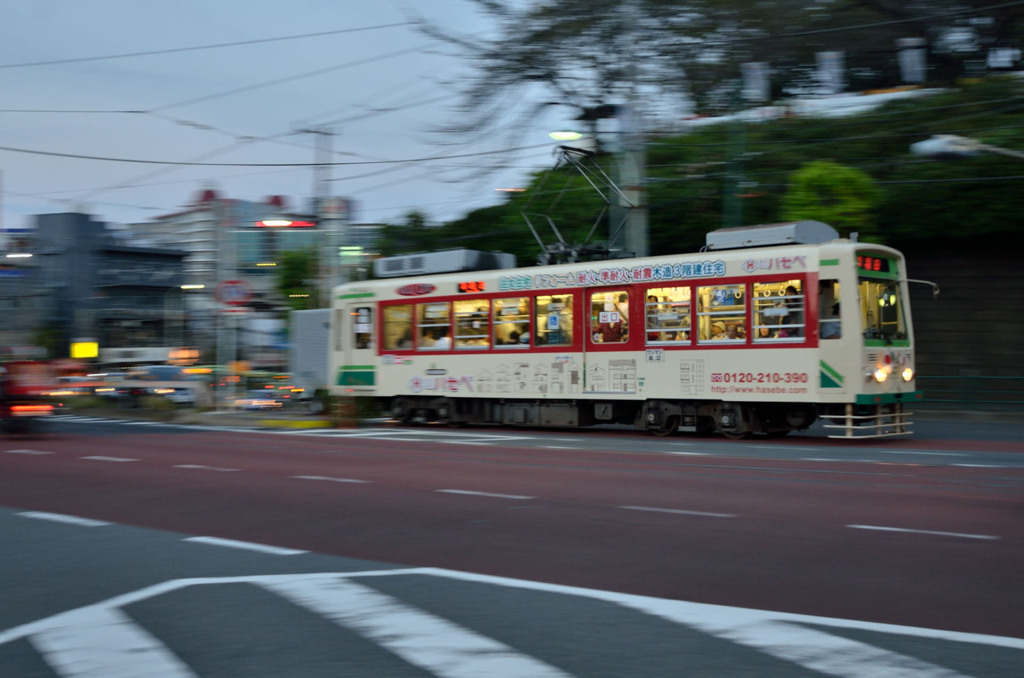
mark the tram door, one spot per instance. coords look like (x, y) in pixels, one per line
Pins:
(357, 346)
(832, 352)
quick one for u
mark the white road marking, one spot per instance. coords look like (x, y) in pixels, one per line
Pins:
(486, 494)
(102, 458)
(438, 645)
(96, 642)
(246, 545)
(333, 480)
(679, 511)
(932, 532)
(28, 452)
(822, 652)
(202, 467)
(61, 518)
(926, 454)
(434, 644)
(980, 465)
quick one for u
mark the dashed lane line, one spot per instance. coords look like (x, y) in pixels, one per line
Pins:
(683, 512)
(332, 480)
(961, 535)
(28, 452)
(203, 467)
(485, 494)
(113, 459)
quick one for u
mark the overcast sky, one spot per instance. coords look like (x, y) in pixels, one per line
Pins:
(377, 83)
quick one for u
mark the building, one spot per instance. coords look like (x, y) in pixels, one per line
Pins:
(242, 242)
(85, 283)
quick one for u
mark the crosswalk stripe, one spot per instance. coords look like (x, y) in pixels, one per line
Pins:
(826, 653)
(97, 642)
(434, 644)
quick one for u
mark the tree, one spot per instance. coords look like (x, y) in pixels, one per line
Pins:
(297, 278)
(591, 55)
(842, 197)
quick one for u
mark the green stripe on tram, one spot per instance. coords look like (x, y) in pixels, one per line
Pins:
(829, 262)
(356, 295)
(357, 375)
(829, 378)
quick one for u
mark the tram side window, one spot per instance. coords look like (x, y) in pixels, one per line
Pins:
(721, 314)
(397, 327)
(554, 320)
(362, 327)
(512, 322)
(472, 323)
(667, 313)
(778, 311)
(609, 316)
(433, 323)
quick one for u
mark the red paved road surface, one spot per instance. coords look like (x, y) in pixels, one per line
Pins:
(781, 539)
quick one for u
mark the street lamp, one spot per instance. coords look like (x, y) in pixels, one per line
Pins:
(952, 145)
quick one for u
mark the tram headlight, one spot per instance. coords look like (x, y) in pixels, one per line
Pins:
(907, 373)
(881, 374)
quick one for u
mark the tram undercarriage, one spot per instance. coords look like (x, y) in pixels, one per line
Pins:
(659, 417)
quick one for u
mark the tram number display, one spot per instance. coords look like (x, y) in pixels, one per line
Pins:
(759, 378)
(880, 264)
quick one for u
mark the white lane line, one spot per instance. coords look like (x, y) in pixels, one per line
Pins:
(925, 454)
(932, 532)
(102, 458)
(557, 447)
(679, 511)
(486, 494)
(333, 480)
(28, 452)
(202, 467)
(61, 518)
(680, 453)
(470, 442)
(105, 643)
(246, 545)
(980, 465)
(432, 643)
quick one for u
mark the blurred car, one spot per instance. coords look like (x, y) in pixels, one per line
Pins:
(181, 387)
(258, 400)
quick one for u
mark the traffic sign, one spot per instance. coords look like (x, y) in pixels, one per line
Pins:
(235, 292)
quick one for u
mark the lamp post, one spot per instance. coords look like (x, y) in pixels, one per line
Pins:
(952, 145)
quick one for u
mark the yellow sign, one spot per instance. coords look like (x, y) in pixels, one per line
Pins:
(85, 349)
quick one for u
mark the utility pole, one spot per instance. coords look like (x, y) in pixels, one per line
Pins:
(327, 256)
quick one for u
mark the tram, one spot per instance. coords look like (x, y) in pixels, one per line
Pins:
(764, 331)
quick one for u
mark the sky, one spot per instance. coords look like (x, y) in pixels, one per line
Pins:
(86, 133)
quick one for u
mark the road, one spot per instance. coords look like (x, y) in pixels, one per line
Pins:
(922, 532)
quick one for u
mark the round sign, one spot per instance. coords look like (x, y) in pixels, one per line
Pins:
(235, 292)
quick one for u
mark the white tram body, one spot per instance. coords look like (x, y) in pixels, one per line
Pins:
(745, 337)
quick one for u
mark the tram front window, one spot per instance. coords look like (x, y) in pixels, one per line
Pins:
(881, 309)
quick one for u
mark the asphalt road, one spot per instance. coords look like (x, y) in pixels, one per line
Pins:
(921, 533)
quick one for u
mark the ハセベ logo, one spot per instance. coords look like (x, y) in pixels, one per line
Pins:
(416, 289)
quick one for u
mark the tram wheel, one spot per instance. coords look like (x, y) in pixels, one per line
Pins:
(671, 426)
(736, 435)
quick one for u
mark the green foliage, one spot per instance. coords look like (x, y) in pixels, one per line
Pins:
(842, 197)
(297, 274)
(915, 202)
